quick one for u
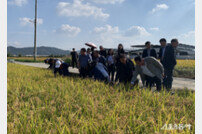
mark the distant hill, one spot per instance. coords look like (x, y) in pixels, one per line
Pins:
(43, 51)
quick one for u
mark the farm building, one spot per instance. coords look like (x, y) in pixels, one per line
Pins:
(183, 51)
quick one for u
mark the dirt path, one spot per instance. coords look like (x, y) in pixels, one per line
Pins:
(178, 83)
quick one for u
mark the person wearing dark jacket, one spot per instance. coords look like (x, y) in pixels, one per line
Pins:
(64, 67)
(162, 49)
(51, 63)
(103, 51)
(120, 49)
(169, 62)
(74, 58)
(99, 58)
(149, 51)
(117, 59)
(126, 68)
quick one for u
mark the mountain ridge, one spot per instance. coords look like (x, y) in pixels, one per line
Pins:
(41, 51)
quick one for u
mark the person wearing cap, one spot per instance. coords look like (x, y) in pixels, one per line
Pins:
(149, 51)
(57, 67)
(150, 71)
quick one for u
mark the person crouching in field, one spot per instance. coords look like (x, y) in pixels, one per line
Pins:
(150, 69)
(64, 68)
(99, 58)
(99, 69)
(125, 71)
(169, 62)
(51, 63)
(83, 63)
(57, 67)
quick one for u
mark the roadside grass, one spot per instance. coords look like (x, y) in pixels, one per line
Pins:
(39, 59)
(40, 103)
(28, 59)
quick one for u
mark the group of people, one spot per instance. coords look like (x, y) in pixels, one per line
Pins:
(154, 69)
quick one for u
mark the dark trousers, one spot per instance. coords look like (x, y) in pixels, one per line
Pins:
(111, 71)
(65, 72)
(57, 70)
(168, 79)
(83, 72)
(151, 80)
(125, 79)
(74, 63)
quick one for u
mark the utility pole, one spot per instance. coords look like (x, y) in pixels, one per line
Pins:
(35, 27)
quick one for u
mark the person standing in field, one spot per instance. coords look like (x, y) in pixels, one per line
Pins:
(111, 64)
(89, 68)
(83, 63)
(103, 52)
(121, 51)
(150, 70)
(57, 67)
(74, 58)
(89, 54)
(126, 68)
(149, 51)
(169, 62)
(162, 49)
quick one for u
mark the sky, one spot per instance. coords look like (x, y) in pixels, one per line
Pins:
(68, 24)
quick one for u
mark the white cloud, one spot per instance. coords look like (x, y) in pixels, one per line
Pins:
(17, 2)
(136, 31)
(77, 9)
(68, 30)
(154, 29)
(28, 21)
(108, 1)
(14, 44)
(188, 35)
(188, 38)
(109, 36)
(106, 35)
(159, 7)
(106, 29)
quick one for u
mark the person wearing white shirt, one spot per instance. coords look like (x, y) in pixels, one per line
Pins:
(57, 67)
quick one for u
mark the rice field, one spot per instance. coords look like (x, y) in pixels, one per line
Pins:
(40, 103)
(185, 68)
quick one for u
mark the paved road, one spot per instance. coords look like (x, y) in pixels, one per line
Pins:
(178, 83)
